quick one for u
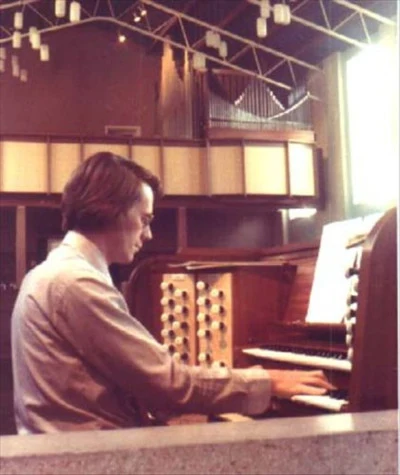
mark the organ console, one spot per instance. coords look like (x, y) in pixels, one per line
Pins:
(240, 313)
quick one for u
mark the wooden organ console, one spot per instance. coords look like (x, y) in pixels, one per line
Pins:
(240, 313)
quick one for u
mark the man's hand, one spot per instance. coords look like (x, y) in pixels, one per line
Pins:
(285, 384)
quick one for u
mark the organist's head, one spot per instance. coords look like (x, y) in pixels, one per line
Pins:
(110, 200)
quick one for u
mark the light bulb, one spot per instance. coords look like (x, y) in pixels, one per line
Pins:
(261, 27)
(223, 49)
(16, 39)
(23, 75)
(282, 14)
(44, 53)
(74, 12)
(199, 61)
(60, 8)
(35, 39)
(265, 9)
(18, 20)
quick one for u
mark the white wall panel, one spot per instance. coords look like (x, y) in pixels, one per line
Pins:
(23, 167)
(183, 170)
(301, 165)
(226, 170)
(148, 156)
(265, 169)
(65, 157)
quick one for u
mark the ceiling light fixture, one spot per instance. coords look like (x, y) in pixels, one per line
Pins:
(213, 39)
(15, 66)
(23, 75)
(121, 37)
(74, 12)
(223, 49)
(44, 53)
(34, 37)
(18, 20)
(199, 61)
(261, 27)
(60, 8)
(265, 9)
(16, 39)
(282, 15)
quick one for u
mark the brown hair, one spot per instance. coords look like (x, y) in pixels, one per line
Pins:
(101, 189)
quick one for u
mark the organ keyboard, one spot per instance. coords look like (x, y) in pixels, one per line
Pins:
(330, 360)
(261, 312)
(330, 402)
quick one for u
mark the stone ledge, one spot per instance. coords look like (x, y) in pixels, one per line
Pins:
(332, 444)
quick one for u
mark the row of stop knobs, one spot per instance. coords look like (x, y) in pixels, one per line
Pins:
(176, 327)
(350, 315)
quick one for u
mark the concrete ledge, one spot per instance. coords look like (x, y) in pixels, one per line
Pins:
(333, 444)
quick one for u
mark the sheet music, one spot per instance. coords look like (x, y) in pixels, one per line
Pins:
(340, 248)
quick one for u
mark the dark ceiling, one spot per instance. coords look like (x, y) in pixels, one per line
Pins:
(317, 28)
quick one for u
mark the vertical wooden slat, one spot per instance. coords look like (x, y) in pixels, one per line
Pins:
(182, 229)
(243, 165)
(130, 149)
(81, 150)
(208, 168)
(48, 158)
(20, 244)
(162, 165)
(287, 169)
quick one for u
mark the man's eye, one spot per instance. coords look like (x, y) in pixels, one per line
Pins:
(146, 221)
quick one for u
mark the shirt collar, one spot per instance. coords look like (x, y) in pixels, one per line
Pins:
(88, 250)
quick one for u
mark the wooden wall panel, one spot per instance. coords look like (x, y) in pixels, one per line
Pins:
(301, 167)
(226, 170)
(24, 167)
(183, 170)
(65, 157)
(265, 169)
(149, 156)
(90, 82)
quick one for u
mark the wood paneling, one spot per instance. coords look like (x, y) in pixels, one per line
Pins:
(24, 167)
(226, 170)
(186, 168)
(265, 169)
(183, 170)
(65, 157)
(149, 156)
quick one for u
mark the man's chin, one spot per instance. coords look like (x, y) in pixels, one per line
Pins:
(127, 259)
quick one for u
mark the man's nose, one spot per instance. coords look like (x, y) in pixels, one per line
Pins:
(147, 234)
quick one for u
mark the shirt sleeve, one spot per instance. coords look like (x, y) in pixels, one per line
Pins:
(94, 318)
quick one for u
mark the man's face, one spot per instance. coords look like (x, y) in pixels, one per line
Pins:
(132, 229)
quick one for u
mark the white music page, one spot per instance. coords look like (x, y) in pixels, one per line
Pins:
(330, 287)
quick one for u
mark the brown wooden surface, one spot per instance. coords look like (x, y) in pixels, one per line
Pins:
(375, 366)
(304, 136)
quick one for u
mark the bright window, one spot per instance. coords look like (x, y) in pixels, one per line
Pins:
(372, 105)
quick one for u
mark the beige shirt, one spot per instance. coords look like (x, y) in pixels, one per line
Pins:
(81, 361)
